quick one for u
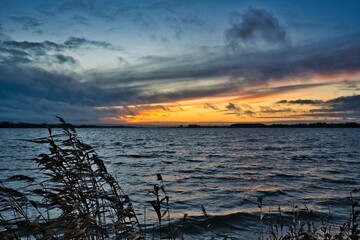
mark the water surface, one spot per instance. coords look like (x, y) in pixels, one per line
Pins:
(226, 170)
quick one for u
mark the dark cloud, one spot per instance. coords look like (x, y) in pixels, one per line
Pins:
(42, 110)
(76, 42)
(255, 69)
(71, 43)
(201, 74)
(143, 83)
(342, 108)
(349, 103)
(351, 85)
(62, 59)
(254, 28)
(64, 87)
(11, 56)
(301, 102)
(249, 112)
(27, 23)
(32, 94)
(15, 52)
(232, 108)
(210, 106)
(269, 110)
(38, 47)
(347, 108)
(270, 91)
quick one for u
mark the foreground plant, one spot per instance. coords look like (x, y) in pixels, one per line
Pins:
(306, 229)
(76, 197)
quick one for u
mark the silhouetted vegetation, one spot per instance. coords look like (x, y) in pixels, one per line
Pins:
(236, 125)
(75, 199)
(302, 224)
(299, 125)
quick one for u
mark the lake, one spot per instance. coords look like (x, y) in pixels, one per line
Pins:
(225, 170)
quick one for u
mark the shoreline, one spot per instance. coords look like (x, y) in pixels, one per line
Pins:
(236, 125)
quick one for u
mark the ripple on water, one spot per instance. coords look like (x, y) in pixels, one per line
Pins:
(223, 169)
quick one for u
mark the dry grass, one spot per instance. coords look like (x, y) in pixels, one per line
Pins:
(76, 199)
(303, 225)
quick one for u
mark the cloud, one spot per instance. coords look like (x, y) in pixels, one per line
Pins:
(254, 70)
(255, 28)
(14, 53)
(24, 69)
(62, 59)
(80, 20)
(61, 86)
(344, 104)
(341, 108)
(345, 107)
(38, 48)
(27, 23)
(47, 52)
(199, 75)
(29, 93)
(269, 110)
(210, 106)
(42, 110)
(11, 56)
(76, 42)
(351, 85)
(70, 44)
(249, 113)
(232, 108)
(301, 102)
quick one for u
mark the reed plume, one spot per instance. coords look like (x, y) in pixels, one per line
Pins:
(75, 198)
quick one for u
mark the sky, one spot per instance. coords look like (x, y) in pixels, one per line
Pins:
(180, 61)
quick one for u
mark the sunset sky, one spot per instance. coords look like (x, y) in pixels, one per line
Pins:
(179, 62)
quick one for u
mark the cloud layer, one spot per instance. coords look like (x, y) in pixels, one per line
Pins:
(261, 63)
(255, 28)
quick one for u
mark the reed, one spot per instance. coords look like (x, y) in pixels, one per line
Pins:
(304, 226)
(75, 199)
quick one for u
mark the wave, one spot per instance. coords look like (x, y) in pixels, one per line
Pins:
(151, 155)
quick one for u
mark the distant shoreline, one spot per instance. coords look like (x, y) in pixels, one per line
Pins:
(236, 125)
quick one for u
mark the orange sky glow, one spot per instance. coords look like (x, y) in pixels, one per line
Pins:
(251, 105)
